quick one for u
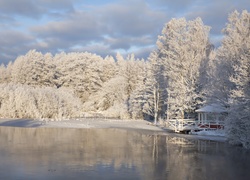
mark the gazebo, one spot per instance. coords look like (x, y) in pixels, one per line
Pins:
(211, 116)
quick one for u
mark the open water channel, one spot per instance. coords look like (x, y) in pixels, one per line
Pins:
(56, 153)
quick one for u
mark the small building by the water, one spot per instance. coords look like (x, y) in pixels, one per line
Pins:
(211, 116)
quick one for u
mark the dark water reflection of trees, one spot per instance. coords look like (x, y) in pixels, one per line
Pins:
(115, 154)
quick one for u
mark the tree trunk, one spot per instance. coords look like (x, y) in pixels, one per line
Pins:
(156, 104)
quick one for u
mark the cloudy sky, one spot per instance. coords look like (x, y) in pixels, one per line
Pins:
(104, 27)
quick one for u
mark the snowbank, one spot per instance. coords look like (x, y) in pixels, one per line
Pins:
(218, 132)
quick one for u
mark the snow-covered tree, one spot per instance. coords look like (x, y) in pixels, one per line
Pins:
(117, 94)
(182, 47)
(32, 69)
(2, 73)
(138, 98)
(148, 97)
(234, 58)
(207, 79)
(129, 72)
(109, 68)
(23, 101)
(79, 71)
(5, 73)
(110, 99)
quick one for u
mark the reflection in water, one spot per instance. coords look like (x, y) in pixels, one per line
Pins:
(47, 153)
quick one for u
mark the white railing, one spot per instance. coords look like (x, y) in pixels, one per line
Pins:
(181, 124)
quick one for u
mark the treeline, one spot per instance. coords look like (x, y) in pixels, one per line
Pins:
(183, 73)
(94, 84)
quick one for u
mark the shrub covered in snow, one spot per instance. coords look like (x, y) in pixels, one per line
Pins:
(22, 101)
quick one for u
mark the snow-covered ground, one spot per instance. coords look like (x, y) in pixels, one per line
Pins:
(210, 133)
(108, 123)
(81, 123)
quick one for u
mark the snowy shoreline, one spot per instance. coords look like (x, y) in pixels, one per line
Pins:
(80, 123)
(87, 123)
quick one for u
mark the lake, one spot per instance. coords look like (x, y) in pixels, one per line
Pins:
(57, 153)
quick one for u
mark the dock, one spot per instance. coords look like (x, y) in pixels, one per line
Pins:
(182, 125)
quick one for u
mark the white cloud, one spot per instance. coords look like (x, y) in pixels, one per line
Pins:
(110, 26)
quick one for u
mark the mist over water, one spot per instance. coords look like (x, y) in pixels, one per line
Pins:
(54, 153)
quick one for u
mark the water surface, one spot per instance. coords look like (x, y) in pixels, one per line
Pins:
(48, 153)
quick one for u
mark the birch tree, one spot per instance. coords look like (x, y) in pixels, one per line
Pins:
(182, 47)
(154, 90)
